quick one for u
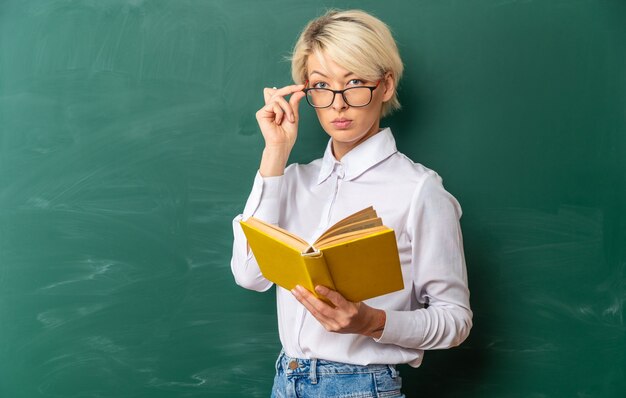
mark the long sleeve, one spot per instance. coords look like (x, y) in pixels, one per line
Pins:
(440, 276)
(432, 311)
(263, 203)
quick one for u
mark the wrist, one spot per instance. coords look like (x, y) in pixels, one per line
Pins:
(274, 160)
(376, 324)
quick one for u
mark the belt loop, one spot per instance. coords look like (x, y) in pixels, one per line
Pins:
(313, 371)
(394, 372)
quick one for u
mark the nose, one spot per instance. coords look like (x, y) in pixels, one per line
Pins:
(338, 102)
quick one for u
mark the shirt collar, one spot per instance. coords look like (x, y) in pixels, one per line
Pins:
(365, 155)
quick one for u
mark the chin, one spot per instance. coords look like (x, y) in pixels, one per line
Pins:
(352, 133)
(348, 140)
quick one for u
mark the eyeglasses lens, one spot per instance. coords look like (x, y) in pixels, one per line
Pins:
(355, 96)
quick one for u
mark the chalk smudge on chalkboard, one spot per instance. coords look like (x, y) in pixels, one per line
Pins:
(95, 269)
(552, 270)
(60, 316)
(202, 378)
(608, 312)
(503, 346)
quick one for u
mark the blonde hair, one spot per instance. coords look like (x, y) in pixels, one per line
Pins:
(356, 41)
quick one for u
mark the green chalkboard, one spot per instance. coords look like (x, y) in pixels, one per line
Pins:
(128, 143)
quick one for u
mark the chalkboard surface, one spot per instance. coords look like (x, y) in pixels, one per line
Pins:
(128, 143)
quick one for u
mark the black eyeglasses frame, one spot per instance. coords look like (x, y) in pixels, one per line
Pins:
(335, 92)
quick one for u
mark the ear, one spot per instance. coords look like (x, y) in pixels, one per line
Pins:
(390, 86)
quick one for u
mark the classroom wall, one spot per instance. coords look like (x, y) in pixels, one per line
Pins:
(128, 143)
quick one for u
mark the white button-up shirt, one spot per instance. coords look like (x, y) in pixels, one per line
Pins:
(432, 311)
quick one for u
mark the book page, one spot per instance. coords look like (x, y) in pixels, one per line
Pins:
(362, 215)
(280, 234)
(358, 226)
(349, 236)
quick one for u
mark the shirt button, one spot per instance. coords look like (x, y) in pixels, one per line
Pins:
(293, 365)
(340, 172)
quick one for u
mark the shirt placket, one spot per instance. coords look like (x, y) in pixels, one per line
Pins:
(335, 180)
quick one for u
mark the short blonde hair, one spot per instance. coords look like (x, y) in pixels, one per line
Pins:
(356, 41)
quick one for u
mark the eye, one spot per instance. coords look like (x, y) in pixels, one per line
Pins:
(356, 82)
(319, 85)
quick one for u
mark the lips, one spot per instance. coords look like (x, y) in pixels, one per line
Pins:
(341, 123)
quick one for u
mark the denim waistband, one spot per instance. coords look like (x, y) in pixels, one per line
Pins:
(311, 368)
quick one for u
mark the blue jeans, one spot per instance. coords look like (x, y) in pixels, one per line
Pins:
(325, 379)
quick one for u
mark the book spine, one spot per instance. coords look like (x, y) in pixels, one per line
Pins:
(318, 272)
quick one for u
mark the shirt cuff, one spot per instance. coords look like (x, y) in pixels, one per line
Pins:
(396, 329)
(264, 200)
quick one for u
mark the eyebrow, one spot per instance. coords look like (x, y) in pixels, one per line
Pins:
(320, 73)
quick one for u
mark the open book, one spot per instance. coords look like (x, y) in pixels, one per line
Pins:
(358, 256)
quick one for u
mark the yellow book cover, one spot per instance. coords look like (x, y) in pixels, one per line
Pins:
(358, 256)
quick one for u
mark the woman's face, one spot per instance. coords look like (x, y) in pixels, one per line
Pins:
(348, 126)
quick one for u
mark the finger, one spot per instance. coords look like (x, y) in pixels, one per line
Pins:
(286, 107)
(268, 112)
(333, 296)
(303, 296)
(315, 306)
(284, 91)
(272, 112)
(320, 310)
(268, 93)
(294, 102)
(278, 112)
(265, 114)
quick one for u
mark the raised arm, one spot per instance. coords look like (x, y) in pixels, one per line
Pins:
(278, 121)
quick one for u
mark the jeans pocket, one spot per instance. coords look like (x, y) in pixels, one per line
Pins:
(345, 385)
(388, 383)
(279, 387)
(280, 357)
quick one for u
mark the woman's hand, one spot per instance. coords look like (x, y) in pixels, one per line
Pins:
(278, 121)
(346, 317)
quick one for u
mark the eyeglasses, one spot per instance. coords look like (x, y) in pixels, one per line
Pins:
(354, 96)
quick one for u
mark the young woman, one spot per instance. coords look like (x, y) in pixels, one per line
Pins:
(347, 67)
